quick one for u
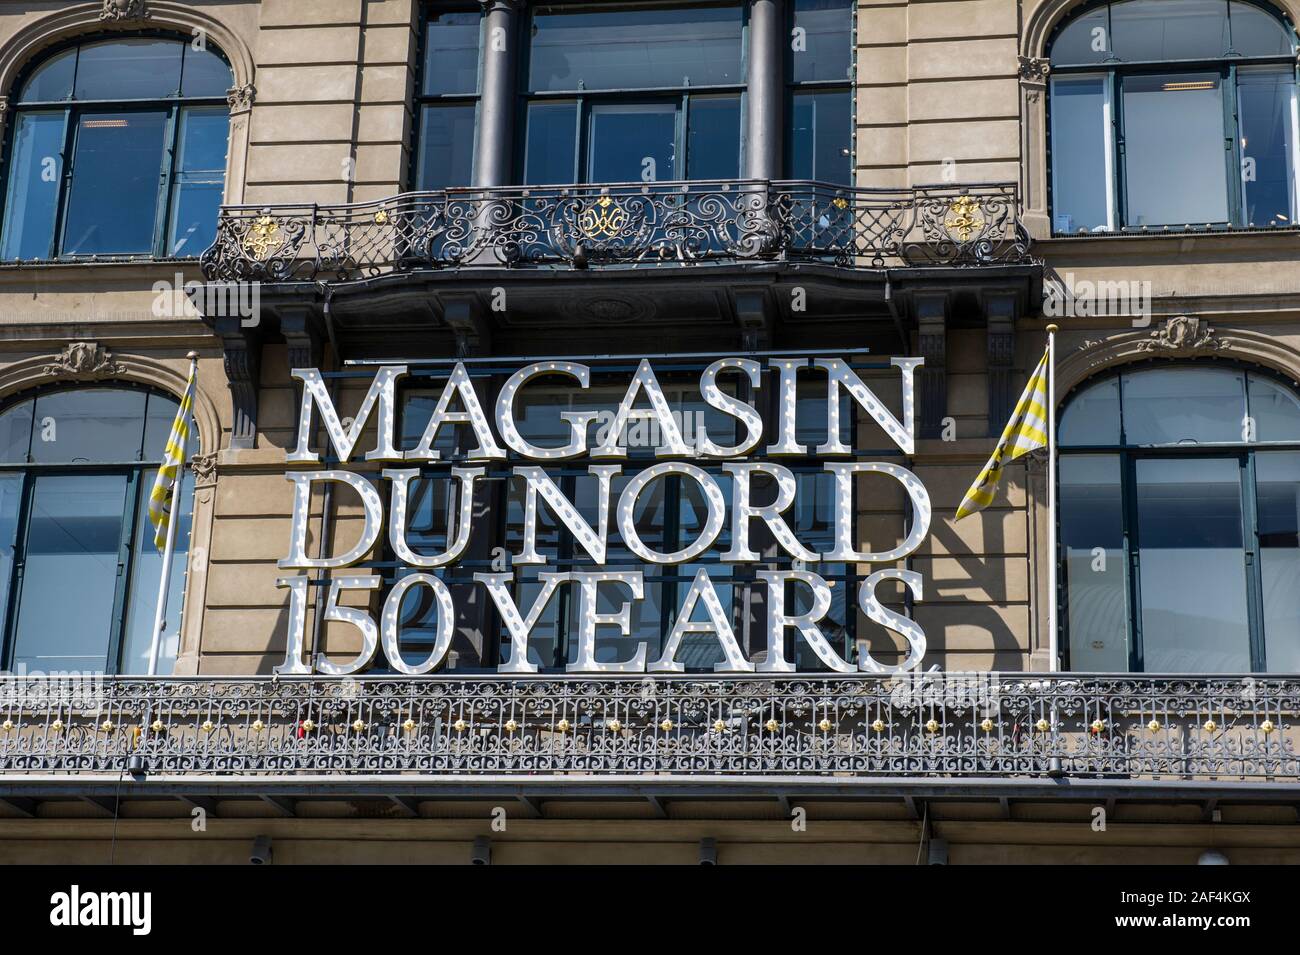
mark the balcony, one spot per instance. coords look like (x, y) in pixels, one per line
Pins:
(967, 727)
(665, 224)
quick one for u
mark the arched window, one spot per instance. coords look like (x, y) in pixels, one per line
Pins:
(1179, 516)
(117, 148)
(1173, 113)
(79, 572)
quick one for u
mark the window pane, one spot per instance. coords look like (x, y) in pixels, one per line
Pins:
(713, 141)
(16, 433)
(451, 53)
(1176, 165)
(632, 142)
(205, 74)
(1081, 182)
(1162, 30)
(1274, 410)
(1267, 104)
(823, 51)
(551, 143)
(1183, 405)
(200, 180)
(146, 572)
(88, 425)
(1192, 573)
(1277, 482)
(637, 48)
(32, 201)
(52, 81)
(1257, 33)
(11, 492)
(160, 415)
(1085, 39)
(116, 169)
(819, 141)
(129, 69)
(1092, 538)
(1092, 416)
(446, 146)
(73, 540)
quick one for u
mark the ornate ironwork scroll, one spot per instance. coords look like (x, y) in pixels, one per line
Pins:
(672, 223)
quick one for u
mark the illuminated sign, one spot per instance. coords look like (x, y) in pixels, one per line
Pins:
(644, 403)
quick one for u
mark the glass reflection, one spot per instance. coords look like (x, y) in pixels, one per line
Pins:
(74, 533)
(1277, 482)
(1192, 566)
(1092, 539)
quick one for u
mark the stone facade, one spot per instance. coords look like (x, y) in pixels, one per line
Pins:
(947, 91)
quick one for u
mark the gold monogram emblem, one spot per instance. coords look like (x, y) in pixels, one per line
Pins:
(602, 219)
(263, 237)
(381, 217)
(963, 218)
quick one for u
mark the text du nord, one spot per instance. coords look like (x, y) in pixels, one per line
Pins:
(459, 406)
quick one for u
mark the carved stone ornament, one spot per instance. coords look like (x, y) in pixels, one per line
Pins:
(1034, 69)
(84, 360)
(1184, 336)
(240, 98)
(122, 10)
(204, 467)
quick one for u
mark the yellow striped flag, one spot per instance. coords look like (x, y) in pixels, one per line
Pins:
(1026, 431)
(160, 498)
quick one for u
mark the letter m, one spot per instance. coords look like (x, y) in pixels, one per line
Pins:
(382, 392)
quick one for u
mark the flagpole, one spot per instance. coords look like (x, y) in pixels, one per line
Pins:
(1053, 640)
(173, 518)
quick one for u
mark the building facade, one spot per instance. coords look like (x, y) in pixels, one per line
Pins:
(795, 256)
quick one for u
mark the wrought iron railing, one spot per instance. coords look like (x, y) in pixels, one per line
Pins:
(989, 725)
(641, 224)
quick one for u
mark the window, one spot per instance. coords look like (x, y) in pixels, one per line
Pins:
(821, 100)
(448, 98)
(1173, 113)
(79, 571)
(1179, 507)
(643, 93)
(117, 148)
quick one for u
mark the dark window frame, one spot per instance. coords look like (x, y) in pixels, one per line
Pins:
(73, 108)
(428, 11)
(1114, 71)
(135, 511)
(793, 88)
(1129, 455)
(585, 99)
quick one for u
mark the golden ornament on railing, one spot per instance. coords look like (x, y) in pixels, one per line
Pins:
(839, 202)
(381, 217)
(963, 219)
(602, 219)
(263, 237)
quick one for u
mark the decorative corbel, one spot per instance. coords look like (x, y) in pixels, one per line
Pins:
(465, 318)
(755, 319)
(242, 350)
(240, 98)
(1000, 312)
(302, 336)
(1033, 72)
